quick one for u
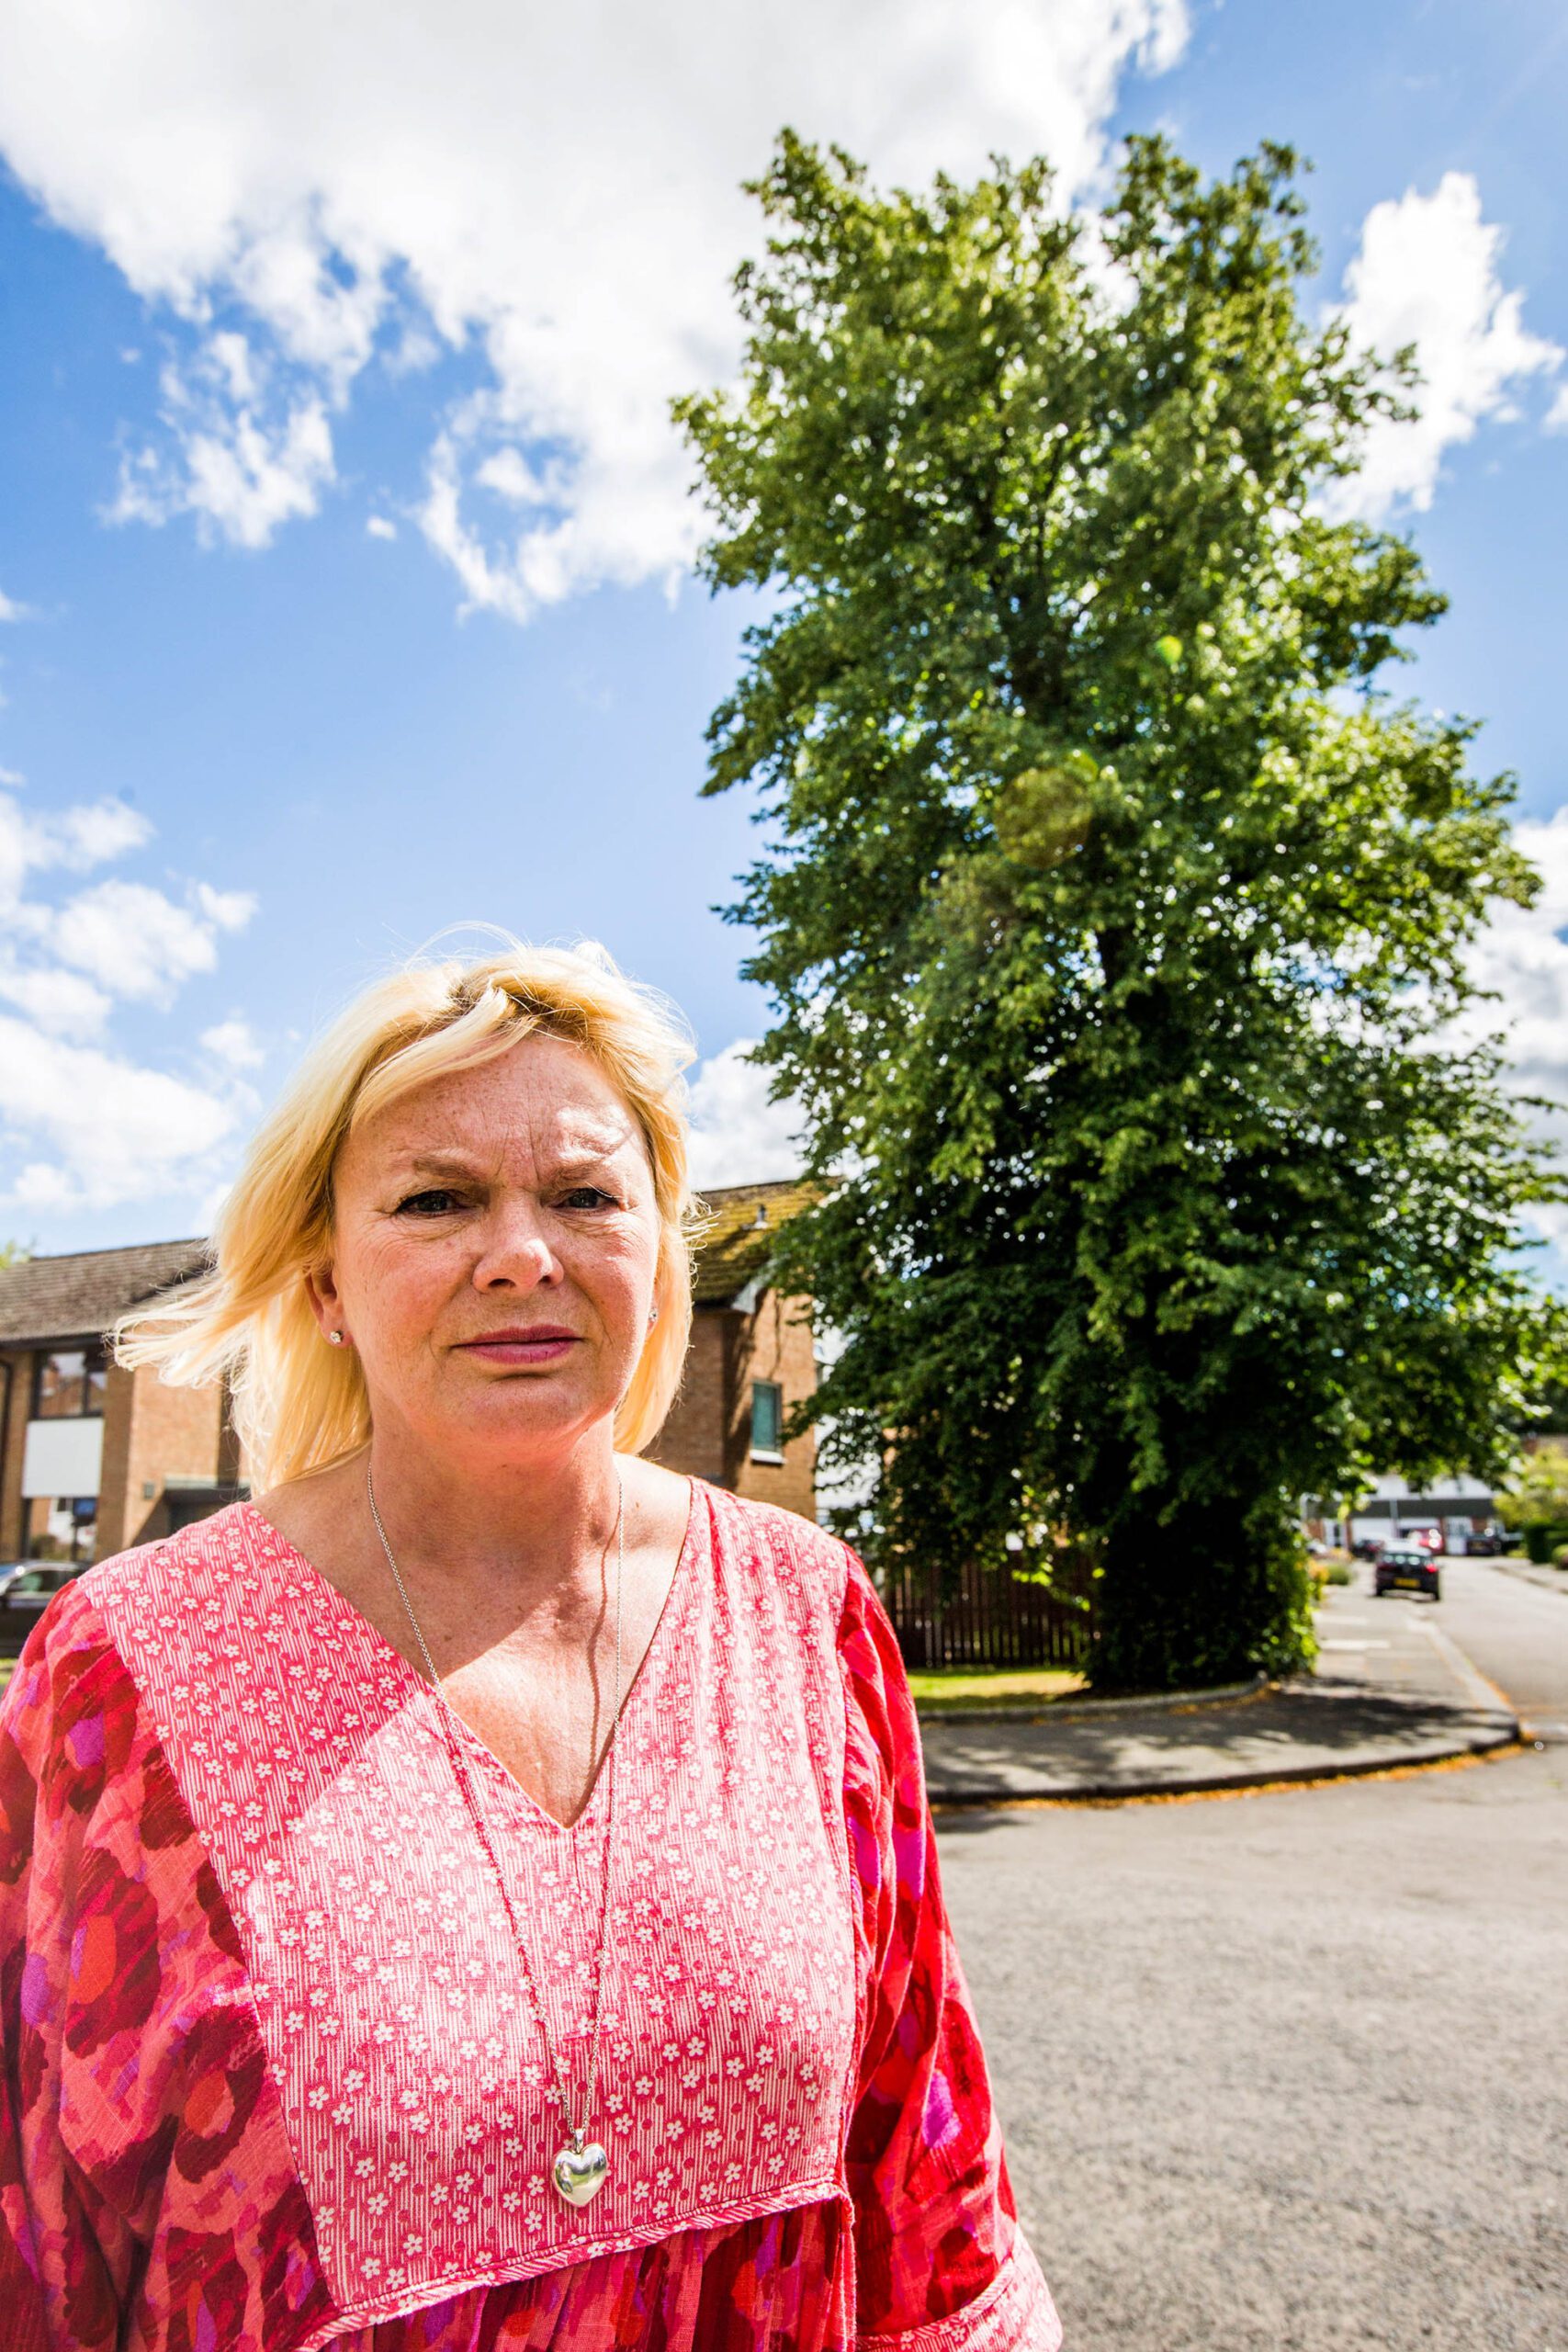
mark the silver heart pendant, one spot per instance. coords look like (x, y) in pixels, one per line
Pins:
(580, 2172)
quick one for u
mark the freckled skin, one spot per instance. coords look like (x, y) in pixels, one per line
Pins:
(521, 1237)
(516, 1194)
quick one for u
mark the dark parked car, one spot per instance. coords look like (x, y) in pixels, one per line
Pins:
(1490, 1543)
(1406, 1568)
(25, 1593)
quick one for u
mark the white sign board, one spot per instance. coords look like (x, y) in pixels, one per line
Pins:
(64, 1457)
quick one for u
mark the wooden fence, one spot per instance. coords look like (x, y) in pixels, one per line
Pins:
(993, 1618)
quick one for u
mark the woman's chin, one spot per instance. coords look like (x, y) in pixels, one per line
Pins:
(511, 1417)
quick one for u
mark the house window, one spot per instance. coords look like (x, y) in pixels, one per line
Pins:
(68, 1384)
(61, 1527)
(767, 1420)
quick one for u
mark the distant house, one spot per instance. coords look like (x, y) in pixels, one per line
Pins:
(94, 1457)
(750, 1358)
(1457, 1508)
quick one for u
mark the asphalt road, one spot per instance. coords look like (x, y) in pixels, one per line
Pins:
(1287, 2070)
(1515, 1633)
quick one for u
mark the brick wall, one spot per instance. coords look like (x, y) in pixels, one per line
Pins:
(708, 1432)
(694, 1439)
(776, 1345)
(153, 1433)
(15, 1408)
(119, 1404)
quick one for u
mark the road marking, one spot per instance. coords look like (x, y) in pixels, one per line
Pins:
(1352, 1646)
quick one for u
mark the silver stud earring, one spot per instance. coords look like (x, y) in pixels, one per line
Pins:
(334, 1338)
(653, 1313)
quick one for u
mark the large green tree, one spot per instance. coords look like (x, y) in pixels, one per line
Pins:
(1114, 920)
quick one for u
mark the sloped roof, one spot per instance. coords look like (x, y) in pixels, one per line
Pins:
(71, 1297)
(738, 1243)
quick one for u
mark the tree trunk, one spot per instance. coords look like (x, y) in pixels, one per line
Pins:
(1216, 1595)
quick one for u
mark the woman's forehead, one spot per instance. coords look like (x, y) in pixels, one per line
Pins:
(543, 1099)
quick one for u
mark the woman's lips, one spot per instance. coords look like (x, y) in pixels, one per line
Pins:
(519, 1352)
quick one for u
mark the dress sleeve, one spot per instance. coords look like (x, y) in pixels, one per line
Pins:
(145, 2187)
(940, 2263)
(65, 2262)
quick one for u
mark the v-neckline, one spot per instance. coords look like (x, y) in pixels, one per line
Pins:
(370, 1637)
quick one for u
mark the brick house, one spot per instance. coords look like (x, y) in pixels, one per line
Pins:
(750, 1358)
(94, 1457)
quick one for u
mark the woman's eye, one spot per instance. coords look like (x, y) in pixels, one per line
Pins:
(434, 1203)
(587, 1196)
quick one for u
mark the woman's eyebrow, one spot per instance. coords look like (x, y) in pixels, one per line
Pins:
(438, 1164)
(588, 1163)
(591, 1163)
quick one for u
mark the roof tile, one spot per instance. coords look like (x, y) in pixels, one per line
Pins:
(71, 1297)
(736, 1245)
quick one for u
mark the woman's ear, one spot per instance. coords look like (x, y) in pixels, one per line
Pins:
(321, 1289)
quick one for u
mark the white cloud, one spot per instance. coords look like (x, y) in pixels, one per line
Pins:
(82, 1124)
(234, 1041)
(738, 1135)
(9, 608)
(89, 834)
(1428, 274)
(241, 453)
(64, 1004)
(1523, 958)
(136, 942)
(228, 910)
(1556, 418)
(554, 194)
(96, 832)
(115, 1129)
(379, 528)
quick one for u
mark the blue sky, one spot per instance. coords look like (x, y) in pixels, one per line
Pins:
(346, 551)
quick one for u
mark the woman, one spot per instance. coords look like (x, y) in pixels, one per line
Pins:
(481, 1892)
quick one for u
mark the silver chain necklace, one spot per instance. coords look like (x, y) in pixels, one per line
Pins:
(580, 2168)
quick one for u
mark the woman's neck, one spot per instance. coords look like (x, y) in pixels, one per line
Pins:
(499, 1541)
(519, 1524)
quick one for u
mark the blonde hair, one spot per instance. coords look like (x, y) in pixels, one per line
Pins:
(298, 1406)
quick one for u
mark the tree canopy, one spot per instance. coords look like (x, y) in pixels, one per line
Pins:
(1114, 917)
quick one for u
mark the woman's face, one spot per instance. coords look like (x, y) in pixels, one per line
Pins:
(495, 1240)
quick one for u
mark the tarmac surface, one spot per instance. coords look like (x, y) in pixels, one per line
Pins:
(1281, 2070)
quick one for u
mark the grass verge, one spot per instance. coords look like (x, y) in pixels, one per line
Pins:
(957, 1686)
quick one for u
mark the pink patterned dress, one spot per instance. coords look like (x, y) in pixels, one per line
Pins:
(271, 2080)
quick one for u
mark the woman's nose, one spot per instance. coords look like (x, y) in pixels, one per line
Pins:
(516, 1249)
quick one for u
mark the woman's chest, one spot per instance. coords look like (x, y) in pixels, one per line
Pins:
(420, 2017)
(423, 2029)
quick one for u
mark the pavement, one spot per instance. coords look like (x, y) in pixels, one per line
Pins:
(1548, 1580)
(1394, 1688)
